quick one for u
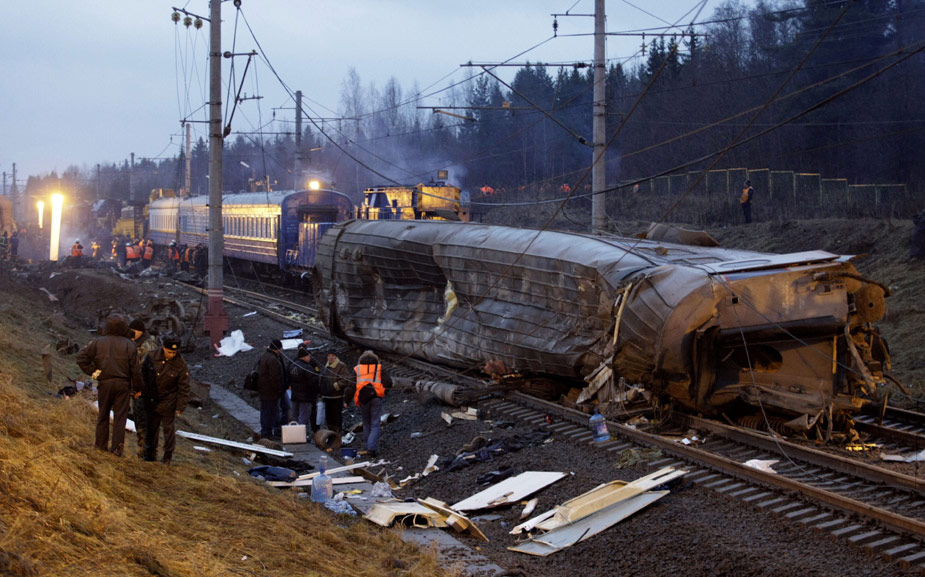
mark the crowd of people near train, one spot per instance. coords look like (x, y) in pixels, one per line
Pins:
(139, 373)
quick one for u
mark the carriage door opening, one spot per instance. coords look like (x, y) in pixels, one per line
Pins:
(312, 225)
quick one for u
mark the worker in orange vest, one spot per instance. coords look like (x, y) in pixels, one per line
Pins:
(372, 381)
(148, 254)
(77, 249)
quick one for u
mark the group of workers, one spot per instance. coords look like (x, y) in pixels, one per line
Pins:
(134, 371)
(9, 245)
(295, 389)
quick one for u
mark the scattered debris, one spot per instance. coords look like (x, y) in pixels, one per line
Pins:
(233, 343)
(762, 465)
(920, 456)
(529, 508)
(306, 480)
(406, 514)
(629, 457)
(268, 473)
(592, 512)
(51, 297)
(454, 519)
(509, 491)
(233, 444)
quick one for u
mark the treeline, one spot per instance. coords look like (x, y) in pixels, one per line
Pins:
(821, 86)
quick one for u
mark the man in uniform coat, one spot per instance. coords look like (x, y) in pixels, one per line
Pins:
(167, 392)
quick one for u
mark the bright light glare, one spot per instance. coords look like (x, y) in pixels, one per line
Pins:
(314, 185)
(40, 206)
(57, 203)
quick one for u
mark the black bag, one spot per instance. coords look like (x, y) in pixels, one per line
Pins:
(367, 394)
(252, 381)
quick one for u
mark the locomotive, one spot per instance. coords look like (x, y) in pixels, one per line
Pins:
(714, 330)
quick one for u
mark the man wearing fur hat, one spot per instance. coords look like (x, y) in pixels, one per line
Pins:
(116, 359)
(304, 374)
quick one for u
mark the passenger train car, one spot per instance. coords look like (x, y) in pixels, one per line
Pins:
(279, 232)
(713, 329)
(275, 231)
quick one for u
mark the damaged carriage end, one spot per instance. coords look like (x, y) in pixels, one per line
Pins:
(794, 340)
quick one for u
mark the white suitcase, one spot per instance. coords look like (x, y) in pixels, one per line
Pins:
(293, 433)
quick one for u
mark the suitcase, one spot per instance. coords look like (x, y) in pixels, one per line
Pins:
(293, 433)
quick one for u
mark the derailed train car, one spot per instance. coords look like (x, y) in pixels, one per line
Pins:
(711, 328)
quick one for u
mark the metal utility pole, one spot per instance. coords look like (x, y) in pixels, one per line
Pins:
(188, 162)
(297, 185)
(131, 180)
(216, 321)
(598, 169)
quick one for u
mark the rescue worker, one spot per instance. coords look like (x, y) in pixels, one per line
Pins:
(144, 345)
(95, 250)
(304, 376)
(335, 380)
(186, 258)
(119, 377)
(271, 385)
(14, 245)
(201, 260)
(114, 254)
(372, 382)
(148, 254)
(167, 389)
(77, 249)
(746, 201)
(173, 255)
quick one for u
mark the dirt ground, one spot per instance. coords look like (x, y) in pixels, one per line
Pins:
(693, 531)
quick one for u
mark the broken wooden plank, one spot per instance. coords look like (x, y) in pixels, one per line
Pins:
(234, 444)
(568, 535)
(509, 491)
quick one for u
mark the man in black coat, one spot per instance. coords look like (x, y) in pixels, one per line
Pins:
(116, 359)
(167, 393)
(304, 374)
(271, 385)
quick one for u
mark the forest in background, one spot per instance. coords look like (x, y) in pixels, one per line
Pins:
(810, 86)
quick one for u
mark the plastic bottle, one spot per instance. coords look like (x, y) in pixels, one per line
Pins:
(599, 427)
(322, 486)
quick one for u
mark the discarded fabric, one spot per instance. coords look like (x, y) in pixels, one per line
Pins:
(269, 473)
(233, 343)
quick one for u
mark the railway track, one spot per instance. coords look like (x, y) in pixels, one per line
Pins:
(880, 510)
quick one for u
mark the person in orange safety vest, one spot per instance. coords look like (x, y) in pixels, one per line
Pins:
(77, 249)
(372, 382)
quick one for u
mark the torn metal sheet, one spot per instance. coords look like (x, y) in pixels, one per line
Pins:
(459, 522)
(405, 513)
(568, 535)
(509, 491)
(708, 327)
(233, 444)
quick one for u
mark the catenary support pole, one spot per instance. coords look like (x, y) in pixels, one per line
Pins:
(216, 321)
(599, 127)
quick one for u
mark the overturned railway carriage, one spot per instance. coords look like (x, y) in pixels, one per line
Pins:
(275, 231)
(707, 326)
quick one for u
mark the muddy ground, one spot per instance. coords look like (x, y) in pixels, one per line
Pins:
(693, 531)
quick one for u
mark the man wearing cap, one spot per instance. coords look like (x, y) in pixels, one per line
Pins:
(304, 374)
(335, 380)
(272, 383)
(116, 359)
(144, 344)
(167, 392)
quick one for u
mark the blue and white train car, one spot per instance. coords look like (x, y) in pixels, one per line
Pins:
(274, 230)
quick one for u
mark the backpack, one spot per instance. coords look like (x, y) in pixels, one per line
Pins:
(252, 381)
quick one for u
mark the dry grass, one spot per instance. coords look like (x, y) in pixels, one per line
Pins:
(68, 509)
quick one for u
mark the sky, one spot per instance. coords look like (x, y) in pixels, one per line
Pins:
(92, 82)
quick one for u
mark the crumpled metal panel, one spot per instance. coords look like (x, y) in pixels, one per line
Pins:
(463, 294)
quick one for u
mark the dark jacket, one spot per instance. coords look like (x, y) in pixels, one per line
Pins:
(335, 380)
(166, 383)
(304, 377)
(113, 354)
(272, 381)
